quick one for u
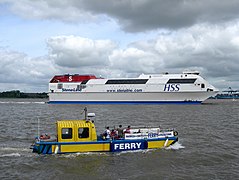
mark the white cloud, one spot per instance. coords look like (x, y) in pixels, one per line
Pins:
(133, 60)
(212, 50)
(18, 71)
(74, 52)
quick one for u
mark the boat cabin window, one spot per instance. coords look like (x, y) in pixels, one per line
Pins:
(78, 88)
(82, 86)
(66, 133)
(59, 86)
(127, 81)
(83, 132)
(202, 85)
(181, 81)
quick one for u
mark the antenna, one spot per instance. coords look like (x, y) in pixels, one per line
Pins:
(85, 111)
(38, 127)
(87, 115)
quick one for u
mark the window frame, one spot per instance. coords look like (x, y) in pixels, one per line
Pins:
(67, 135)
(59, 86)
(182, 81)
(80, 135)
(127, 81)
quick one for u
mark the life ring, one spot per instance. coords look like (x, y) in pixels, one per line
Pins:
(175, 133)
(45, 136)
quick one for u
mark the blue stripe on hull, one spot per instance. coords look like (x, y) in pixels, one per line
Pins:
(124, 102)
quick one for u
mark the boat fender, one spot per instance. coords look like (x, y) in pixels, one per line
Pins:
(166, 142)
(175, 133)
(45, 136)
(56, 150)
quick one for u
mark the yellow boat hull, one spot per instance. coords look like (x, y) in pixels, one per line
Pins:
(42, 147)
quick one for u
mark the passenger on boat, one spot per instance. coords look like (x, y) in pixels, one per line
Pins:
(113, 134)
(85, 133)
(120, 131)
(127, 130)
(158, 131)
(107, 133)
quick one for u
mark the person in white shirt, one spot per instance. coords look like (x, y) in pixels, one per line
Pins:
(107, 133)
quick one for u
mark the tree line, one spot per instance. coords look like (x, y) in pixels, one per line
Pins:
(18, 94)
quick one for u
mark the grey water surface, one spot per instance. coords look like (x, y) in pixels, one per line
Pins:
(208, 146)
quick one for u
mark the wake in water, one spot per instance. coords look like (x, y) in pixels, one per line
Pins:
(175, 146)
(14, 152)
(73, 155)
(10, 155)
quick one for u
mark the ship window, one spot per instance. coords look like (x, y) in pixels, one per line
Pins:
(181, 81)
(84, 82)
(82, 86)
(66, 133)
(78, 87)
(83, 132)
(202, 85)
(127, 81)
(59, 86)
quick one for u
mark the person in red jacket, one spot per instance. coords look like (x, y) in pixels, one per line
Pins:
(127, 130)
(113, 134)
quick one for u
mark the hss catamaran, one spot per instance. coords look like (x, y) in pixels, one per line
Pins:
(188, 87)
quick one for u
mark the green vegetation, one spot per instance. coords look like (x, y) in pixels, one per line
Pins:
(18, 94)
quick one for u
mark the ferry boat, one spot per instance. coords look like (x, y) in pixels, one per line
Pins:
(80, 136)
(188, 87)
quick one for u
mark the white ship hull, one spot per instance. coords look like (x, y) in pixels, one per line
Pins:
(131, 98)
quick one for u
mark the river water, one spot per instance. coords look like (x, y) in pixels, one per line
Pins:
(208, 146)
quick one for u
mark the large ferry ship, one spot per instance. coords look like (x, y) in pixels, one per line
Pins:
(188, 87)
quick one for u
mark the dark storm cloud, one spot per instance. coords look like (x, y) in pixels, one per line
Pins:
(144, 15)
(132, 15)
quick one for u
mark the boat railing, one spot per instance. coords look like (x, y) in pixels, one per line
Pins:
(149, 135)
(149, 129)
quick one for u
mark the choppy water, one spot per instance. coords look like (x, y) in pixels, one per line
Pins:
(208, 146)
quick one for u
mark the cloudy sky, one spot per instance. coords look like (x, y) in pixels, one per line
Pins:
(117, 38)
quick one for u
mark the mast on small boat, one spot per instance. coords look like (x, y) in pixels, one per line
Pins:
(85, 112)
